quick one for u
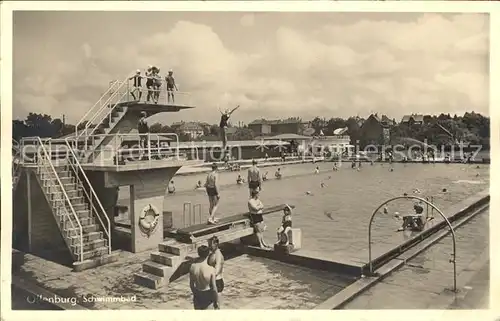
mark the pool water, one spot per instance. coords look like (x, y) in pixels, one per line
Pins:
(334, 219)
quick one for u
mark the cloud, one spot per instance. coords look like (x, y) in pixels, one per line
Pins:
(430, 64)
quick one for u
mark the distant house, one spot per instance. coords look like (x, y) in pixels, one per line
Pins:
(413, 119)
(375, 129)
(192, 129)
(264, 127)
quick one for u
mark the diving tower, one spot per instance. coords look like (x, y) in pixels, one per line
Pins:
(66, 189)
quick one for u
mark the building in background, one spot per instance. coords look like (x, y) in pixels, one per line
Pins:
(376, 130)
(263, 127)
(413, 119)
(192, 129)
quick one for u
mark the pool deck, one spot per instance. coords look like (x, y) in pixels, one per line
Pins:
(424, 281)
(253, 281)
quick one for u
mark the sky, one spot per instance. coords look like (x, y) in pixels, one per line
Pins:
(273, 64)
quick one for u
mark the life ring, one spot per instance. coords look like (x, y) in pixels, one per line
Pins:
(148, 220)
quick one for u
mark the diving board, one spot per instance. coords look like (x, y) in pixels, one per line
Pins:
(198, 232)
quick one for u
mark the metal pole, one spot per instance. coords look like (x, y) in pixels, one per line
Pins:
(433, 207)
(184, 212)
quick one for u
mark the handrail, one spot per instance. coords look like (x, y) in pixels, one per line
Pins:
(445, 219)
(103, 107)
(91, 109)
(148, 148)
(66, 196)
(94, 194)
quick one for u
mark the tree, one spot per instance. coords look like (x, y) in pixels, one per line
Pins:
(243, 134)
(155, 128)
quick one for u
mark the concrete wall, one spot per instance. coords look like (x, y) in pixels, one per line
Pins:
(46, 239)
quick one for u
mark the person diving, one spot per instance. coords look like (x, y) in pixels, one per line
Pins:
(224, 118)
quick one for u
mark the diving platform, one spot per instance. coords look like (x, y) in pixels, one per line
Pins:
(204, 231)
(76, 178)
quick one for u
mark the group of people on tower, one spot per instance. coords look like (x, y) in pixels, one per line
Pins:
(153, 84)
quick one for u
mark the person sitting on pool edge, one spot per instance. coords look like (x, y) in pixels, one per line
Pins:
(286, 226)
(255, 208)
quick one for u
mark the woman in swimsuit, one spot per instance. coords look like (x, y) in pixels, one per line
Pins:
(224, 118)
(213, 193)
(286, 226)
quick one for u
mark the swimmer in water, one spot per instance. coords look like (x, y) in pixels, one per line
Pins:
(322, 185)
(316, 171)
(239, 180)
(198, 185)
(391, 169)
(278, 174)
(264, 177)
(335, 168)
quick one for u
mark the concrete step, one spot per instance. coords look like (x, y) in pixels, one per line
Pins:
(158, 269)
(167, 259)
(91, 254)
(180, 249)
(92, 236)
(89, 245)
(72, 194)
(65, 224)
(97, 261)
(149, 280)
(86, 229)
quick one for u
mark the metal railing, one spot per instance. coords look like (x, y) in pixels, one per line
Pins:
(155, 95)
(142, 146)
(420, 199)
(98, 105)
(46, 156)
(105, 112)
(190, 211)
(16, 158)
(78, 170)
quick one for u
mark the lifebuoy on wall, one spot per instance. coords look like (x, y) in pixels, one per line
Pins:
(148, 220)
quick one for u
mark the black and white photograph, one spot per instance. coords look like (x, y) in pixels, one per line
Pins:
(256, 160)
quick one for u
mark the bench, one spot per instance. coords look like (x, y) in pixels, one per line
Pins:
(196, 232)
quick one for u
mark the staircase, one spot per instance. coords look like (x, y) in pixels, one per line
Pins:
(82, 220)
(94, 129)
(173, 258)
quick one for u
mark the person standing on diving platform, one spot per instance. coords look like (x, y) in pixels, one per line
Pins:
(224, 118)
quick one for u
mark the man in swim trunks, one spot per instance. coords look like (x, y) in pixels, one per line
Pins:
(254, 178)
(213, 193)
(137, 85)
(216, 259)
(255, 208)
(150, 82)
(170, 85)
(224, 118)
(202, 282)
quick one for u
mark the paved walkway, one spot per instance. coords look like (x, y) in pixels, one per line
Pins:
(424, 282)
(251, 283)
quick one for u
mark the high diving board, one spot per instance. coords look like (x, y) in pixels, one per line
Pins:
(198, 232)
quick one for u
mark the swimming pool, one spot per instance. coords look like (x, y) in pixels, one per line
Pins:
(349, 198)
